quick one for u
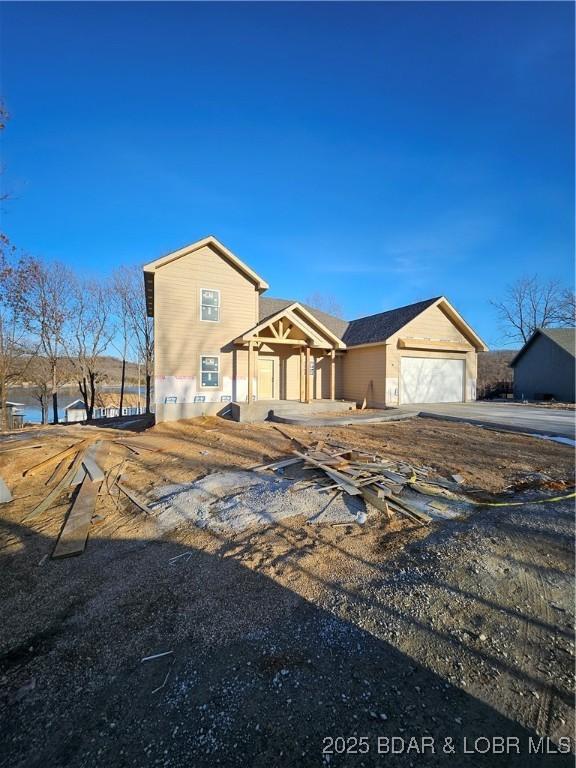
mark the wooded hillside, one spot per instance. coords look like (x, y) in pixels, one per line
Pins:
(494, 371)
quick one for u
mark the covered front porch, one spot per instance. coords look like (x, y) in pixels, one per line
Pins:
(291, 356)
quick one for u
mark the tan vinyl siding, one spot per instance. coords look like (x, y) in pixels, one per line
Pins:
(433, 325)
(361, 366)
(181, 336)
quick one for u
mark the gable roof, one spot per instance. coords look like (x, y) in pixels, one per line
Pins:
(151, 267)
(302, 317)
(374, 328)
(74, 404)
(271, 306)
(565, 338)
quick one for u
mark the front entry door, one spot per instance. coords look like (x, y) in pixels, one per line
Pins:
(265, 379)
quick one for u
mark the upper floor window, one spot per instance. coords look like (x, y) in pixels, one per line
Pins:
(210, 305)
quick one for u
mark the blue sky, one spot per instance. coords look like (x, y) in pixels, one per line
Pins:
(380, 152)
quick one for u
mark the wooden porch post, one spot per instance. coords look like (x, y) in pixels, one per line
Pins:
(307, 374)
(302, 388)
(250, 370)
(332, 374)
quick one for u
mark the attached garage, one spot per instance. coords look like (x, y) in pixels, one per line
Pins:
(431, 380)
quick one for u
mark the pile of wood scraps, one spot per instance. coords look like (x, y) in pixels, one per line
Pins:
(379, 481)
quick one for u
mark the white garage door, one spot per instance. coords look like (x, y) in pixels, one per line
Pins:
(431, 380)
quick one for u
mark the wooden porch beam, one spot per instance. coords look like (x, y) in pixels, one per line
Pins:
(250, 370)
(274, 331)
(272, 340)
(332, 374)
(307, 374)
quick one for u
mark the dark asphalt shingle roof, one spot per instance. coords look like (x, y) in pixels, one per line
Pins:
(368, 330)
(365, 330)
(563, 337)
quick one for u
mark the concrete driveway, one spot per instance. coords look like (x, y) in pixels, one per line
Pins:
(512, 416)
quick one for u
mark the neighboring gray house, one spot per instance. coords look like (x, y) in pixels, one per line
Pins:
(544, 367)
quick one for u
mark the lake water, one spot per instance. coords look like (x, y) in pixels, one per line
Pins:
(66, 395)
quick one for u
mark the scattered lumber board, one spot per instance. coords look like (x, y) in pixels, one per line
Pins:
(72, 539)
(290, 437)
(344, 481)
(278, 464)
(21, 448)
(56, 491)
(134, 499)
(404, 507)
(78, 478)
(365, 401)
(90, 465)
(59, 470)
(372, 498)
(56, 457)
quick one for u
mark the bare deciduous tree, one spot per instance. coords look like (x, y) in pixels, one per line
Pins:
(530, 303)
(15, 349)
(325, 302)
(125, 336)
(128, 284)
(43, 299)
(91, 332)
(567, 309)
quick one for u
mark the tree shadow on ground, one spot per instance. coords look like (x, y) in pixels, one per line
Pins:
(255, 674)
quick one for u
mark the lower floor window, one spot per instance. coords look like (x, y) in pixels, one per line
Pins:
(210, 371)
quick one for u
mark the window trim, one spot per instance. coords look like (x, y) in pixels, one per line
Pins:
(213, 290)
(209, 386)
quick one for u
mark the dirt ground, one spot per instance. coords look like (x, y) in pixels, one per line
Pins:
(291, 644)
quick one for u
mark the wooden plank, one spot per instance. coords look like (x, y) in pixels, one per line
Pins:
(59, 471)
(279, 464)
(380, 492)
(134, 499)
(21, 448)
(72, 539)
(364, 402)
(345, 482)
(56, 491)
(56, 457)
(293, 439)
(89, 462)
(372, 498)
(79, 476)
(395, 477)
(421, 516)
